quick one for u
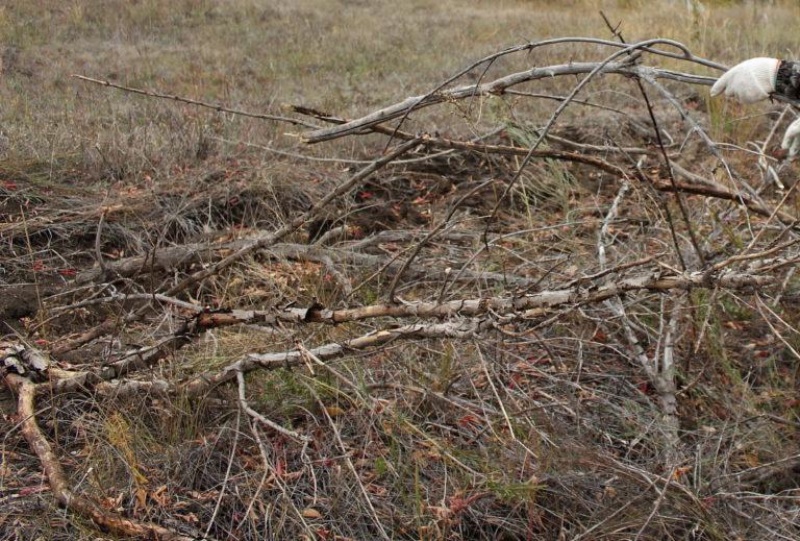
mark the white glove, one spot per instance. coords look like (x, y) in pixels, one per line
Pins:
(791, 139)
(749, 81)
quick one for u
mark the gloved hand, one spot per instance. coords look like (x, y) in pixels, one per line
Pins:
(749, 81)
(791, 139)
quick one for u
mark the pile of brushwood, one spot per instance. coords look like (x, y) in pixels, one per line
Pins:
(556, 302)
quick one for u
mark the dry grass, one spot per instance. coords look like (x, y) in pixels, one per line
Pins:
(539, 428)
(257, 57)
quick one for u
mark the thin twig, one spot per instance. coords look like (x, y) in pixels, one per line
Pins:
(364, 493)
(667, 164)
(215, 106)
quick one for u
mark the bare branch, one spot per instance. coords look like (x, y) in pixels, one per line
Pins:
(214, 106)
(58, 481)
(498, 86)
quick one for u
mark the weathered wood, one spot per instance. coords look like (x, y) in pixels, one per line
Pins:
(496, 87)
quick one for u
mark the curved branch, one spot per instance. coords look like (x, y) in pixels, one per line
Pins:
(496, 87)
(58, 481)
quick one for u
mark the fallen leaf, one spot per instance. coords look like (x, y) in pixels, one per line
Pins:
(334, 411)
(141, 499)
(310, 512)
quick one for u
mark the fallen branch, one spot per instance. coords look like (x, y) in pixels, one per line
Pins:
(271, 361)
(506, 310)
(718, 191)
(214, 106)
(186, 255)
(496, 87)
(536, 305)
(55, 475)
(244, 406)
(696, 184)
(248, 248)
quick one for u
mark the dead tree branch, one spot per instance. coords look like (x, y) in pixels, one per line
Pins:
(498, 86)
(182, 99)
(57, 479)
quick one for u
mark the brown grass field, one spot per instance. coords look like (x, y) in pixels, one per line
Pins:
(563, 308)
